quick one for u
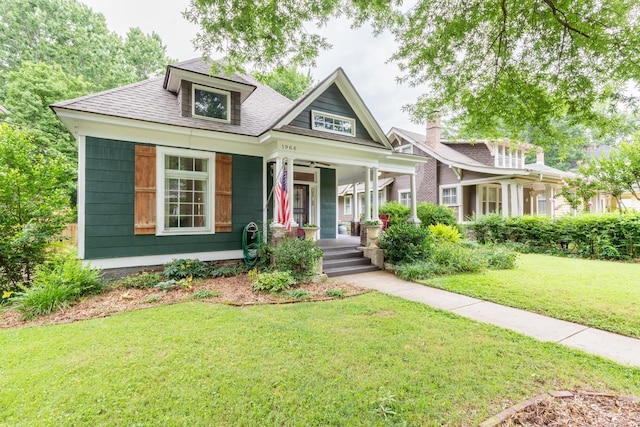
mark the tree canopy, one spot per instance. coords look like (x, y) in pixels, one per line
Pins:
(512, 65)
(287, 81)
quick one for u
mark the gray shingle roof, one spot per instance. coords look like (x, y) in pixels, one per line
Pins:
(445, 152)
(148, 101)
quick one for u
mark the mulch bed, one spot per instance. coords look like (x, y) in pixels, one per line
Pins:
(571, 409)
(231, 290)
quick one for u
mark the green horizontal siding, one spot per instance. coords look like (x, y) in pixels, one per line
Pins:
(328, 200)
(331, 101)
(109, 206)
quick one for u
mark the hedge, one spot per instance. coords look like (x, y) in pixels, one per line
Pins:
(603, 236)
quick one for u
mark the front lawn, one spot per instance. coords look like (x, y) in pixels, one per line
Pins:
(367, 360)
(601, 294)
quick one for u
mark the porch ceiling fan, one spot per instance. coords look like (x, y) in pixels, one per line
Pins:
(313, 164)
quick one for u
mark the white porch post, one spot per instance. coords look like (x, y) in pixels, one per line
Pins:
(276, 177)
(374, 208)
(414, 211)
(514, 199)
(367, 193)
(520, 200)
(354, 203)
(290, 191)
(461, 204)
(505, 198)
(548, 195)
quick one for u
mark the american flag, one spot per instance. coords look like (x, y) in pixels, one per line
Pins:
(282, 199)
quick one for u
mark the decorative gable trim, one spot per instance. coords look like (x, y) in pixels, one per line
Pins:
(354, 100)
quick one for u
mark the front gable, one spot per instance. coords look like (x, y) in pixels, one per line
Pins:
(334, 110)
(333, 103)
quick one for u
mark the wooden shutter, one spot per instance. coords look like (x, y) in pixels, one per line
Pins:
(223, 193)
(145, 190)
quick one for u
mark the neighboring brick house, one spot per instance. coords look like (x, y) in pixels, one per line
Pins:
(477, 177)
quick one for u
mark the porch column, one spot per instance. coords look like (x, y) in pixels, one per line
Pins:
(276, 176)
(367, 193)
(520, 200)
(548, 194)
(414, 211)
(514, 200)
(290, 191)
(461, 204)
(505, 198)
(354, 203)
(374, 208)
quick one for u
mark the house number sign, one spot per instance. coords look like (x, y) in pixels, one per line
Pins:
(289, 147)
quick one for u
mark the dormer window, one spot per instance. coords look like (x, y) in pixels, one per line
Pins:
(332, 123)
(509, 158)
(209, 103)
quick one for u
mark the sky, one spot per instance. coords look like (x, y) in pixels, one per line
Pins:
(358, 52)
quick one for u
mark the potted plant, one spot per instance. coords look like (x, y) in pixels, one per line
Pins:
(373, 228)
(310, 231)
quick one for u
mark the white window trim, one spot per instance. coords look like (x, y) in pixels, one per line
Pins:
(350, 210)
(400, 193)
(212, 90)
(161, 153)
(401, 148)
(446, 187)
(333, 116)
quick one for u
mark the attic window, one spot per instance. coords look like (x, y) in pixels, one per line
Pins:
(332, 123)
(210, 103)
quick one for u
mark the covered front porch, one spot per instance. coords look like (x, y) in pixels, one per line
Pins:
(509, 197)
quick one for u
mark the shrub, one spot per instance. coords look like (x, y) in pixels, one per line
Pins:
(144, 280)
(299, 257)
(206, 293)
(34, 204)
(499, 258)
(419, 270)
(335, 293)
(445, 233)
(453, 258)
(153, 299)
(275, 281)
(180, 268)
(397, 212)
(431, 214)
(297, 294)
(227, 271)
(56, 283)
(405, 243)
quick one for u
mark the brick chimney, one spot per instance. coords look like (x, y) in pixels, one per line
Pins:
(540, 156)
(434, 129)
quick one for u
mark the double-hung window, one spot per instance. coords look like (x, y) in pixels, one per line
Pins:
(404, 198)
(185, 199)
(449, 196)
(347, 205)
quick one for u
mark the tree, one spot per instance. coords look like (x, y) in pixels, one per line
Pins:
(30, 90)
(510, 63)
(286, 81)
(69, 33)
(33, 204)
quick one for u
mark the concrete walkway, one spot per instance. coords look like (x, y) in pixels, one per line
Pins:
(619, 348)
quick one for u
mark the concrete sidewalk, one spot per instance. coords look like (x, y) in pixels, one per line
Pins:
(619, 348)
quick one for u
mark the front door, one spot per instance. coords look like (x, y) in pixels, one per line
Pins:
(301, 204)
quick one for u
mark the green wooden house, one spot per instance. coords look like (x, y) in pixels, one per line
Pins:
(176, 166)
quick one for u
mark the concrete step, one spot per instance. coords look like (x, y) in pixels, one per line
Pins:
(341, 253)
(345, 262)
(343, 271)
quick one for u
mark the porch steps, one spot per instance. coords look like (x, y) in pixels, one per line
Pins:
(341, 261)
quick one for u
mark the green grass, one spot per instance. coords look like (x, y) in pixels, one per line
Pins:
(601, 294)
(344, 362)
